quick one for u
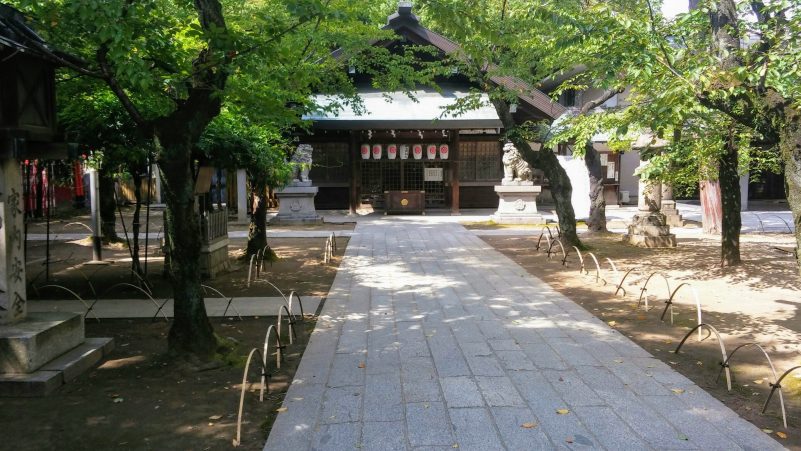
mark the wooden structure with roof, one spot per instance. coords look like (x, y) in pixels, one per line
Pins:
(462, 177)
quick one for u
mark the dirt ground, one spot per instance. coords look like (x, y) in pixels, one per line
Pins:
(759, 301)
(140, 397)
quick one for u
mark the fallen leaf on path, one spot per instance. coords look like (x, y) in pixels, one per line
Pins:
(612, 323)
(455, 445)
(677, 391)
(361, 365)
(758, 381)
(618, 360)
(529, 425)
(117, 400)
(562, 411)
(767, 431)
(781, 434)
(215, 417)
(683, 437)
(569, 439)
(281, 409)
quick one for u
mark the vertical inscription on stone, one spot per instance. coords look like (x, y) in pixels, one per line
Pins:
(12, 260)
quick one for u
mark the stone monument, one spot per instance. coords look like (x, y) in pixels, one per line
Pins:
(296, 200)
(38, 351)
(649, 228)
(517, 192)
(672, 216)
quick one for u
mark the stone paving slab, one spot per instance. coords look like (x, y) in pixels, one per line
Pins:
(145, 308)
(431, 339)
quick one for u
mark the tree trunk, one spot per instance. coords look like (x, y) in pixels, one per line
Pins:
(191, 330)
(730, 204)
(596, 223)
(791, 155)
(257, 232)
(136, 226)
(108, 208)
(546, 160)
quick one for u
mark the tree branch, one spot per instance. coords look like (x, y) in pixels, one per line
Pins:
(606, 95)
(113, 83)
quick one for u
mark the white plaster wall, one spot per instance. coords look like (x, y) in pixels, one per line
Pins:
(580, 179)
(628, 181)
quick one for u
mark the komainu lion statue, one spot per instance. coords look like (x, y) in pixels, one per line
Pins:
(515, 168)
(301, 163)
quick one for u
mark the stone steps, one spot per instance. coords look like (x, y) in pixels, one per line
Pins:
(58, 371)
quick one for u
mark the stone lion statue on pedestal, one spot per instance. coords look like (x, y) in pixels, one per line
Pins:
(301, 163)
(515, 168)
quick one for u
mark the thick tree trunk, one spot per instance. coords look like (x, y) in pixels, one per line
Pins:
(546, 160)
(191, 331)
(108, 208)
(791, 155)
(257, 232)
(596, 223)
(136, 227)
(730, 205)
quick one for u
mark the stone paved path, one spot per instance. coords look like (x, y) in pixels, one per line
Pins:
(431, 339)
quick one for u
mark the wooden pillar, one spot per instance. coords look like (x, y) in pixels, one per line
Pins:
(355, 174)
(454, 172)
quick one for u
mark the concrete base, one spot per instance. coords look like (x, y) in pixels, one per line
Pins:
(214, 257)
(672, 216)
(296, 206)
(518, 204)
(41, 337)
(57, 372)
(650, 230)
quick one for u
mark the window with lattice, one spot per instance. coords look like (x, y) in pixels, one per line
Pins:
(330, 162)
(480, 161)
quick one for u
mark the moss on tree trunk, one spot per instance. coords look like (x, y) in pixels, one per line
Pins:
(257, 231)
(731, 203)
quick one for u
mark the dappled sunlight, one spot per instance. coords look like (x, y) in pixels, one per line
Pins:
(120, 363)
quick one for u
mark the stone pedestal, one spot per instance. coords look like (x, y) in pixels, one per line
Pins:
(648, 229)
(672, 216)
(518, 203)
(214, 257)
(296, 205)
(668, 208)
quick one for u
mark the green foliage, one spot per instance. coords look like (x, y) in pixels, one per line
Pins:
(232, 141)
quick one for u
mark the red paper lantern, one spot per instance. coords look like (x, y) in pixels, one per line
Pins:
(443, 151)
(431, 151)
(417, 151)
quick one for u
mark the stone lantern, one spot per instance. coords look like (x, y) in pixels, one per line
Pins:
(649, 227)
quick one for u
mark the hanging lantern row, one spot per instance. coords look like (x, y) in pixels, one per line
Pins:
(393, 150)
